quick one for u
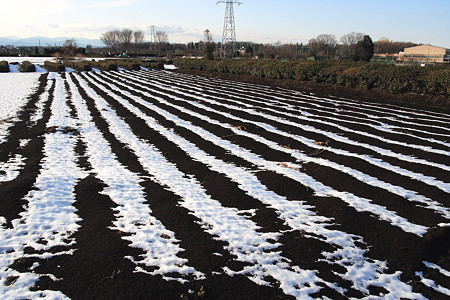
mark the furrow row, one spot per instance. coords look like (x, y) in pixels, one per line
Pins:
(258, 249)
(304, 158)
(330, 130)
(246, 181)
(321, 106)
(394, 164)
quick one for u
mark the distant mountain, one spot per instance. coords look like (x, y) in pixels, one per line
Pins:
(45, 41)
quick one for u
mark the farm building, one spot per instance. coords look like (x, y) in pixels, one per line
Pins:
(427, 54)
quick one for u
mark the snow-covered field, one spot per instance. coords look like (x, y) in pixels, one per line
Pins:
(213, 181)
(14, 89)
(39, 62)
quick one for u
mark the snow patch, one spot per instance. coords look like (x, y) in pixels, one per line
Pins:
(14, 92)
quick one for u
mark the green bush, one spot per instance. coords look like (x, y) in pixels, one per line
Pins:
(79, 65)
(432, 80)
(86, 67)
(4, 66)
(112, 67)
(154, 65)
(115, 64)
(135, 66)
(27, 66)
(54, 66)
(438, 82)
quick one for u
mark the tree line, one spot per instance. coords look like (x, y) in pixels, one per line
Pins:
(354, 46)
(124, 41)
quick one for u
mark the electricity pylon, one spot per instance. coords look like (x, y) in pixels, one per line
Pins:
(152, 36)
(229, 30)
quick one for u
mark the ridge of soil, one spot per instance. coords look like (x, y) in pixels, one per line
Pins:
(377, 95)
(100, 268)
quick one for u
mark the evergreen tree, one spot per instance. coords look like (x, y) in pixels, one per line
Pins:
(364, 49)
(249, 51)
(209, 48)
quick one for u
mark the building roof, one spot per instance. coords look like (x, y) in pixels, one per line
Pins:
(428, 47)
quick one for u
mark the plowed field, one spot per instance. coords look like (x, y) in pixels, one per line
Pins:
(152, 184)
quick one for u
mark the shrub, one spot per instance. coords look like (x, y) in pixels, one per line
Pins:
(86, 67)
(135, 66)
(79, 65)
(433, 80)
(4, 66)
(54, 66)
(154, 65)
(115, 64)
(27, 66)
(438, 82)
(112, 67)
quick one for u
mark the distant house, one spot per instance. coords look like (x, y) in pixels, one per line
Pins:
(426, 54)
(387, 58)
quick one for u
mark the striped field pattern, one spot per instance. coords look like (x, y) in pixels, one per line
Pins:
(150, 184)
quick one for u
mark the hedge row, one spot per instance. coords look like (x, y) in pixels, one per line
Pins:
(78, 65)
(4, 66)
(27, 66)
(114, 64)
(54, 66)
(104, 65)
(432, 80)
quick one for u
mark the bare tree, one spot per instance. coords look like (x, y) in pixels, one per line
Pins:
(125, 39)
(138, 37)
(110, 39)
(391, 47)
(349, 42)
(122, 39)
(324, 45)
(161, 38)
(68, 48)
(267, 51)
(352, 38)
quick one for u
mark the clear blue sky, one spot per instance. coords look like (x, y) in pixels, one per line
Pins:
(420, 21)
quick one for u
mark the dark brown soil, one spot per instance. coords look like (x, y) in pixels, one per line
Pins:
(435, 103)
(99, 269)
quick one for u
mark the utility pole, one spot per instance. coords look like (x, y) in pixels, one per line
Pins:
(229, 30)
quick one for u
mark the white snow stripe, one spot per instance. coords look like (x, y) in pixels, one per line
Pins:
(436, 267)
(367, 179)
(312, 117)
(377, 162)
(38, 113)
(11, 169)
(295, 213)
(431, 284)
(244, 241)
(360, 204)
(331, 135)
(133, 215)
(14, 92)
(49, 219)
(232, 87)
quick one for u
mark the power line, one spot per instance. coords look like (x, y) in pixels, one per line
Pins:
(229, 30)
